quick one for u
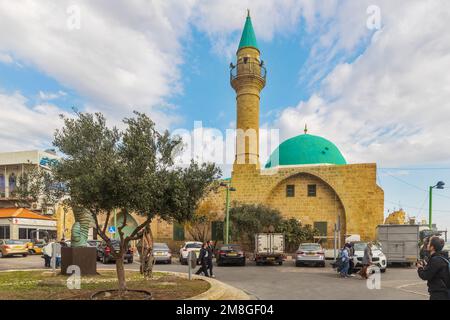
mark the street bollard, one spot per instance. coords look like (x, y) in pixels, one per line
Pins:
(192, 263)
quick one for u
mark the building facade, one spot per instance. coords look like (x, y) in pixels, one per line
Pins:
(306, 177)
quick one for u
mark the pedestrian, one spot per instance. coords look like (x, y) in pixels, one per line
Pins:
(366, 261)
(345, 258)
(210, 249)
(57, 253)
(47, 254)
(436, 271)
(424, 253)
(203, 257)
(351, 254)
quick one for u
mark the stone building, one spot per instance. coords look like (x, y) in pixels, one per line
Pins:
(306, 177)
(12, 166)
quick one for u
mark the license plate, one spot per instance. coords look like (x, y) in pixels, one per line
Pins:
(310, 254)
(17, 247)
(232, 254)
(270, 258)
(159, 253)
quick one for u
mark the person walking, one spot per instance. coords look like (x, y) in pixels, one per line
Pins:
(351, 254)
(210, 249)
(345, 258)
(366, 261)
(47, 254)
(203, 257)
(436, 271)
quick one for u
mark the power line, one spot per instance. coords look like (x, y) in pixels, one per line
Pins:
(412, 207)
(414, 186)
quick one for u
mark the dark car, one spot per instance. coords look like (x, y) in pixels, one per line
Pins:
(230, 254)
(105, 252)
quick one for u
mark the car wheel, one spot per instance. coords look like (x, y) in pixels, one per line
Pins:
(280, 263)
(25, 255)
(1, 254)
(130, 261)
(169, 261)
(31, 251)
(105, 260)
(243, 263)
(322, 265)
(383, 270)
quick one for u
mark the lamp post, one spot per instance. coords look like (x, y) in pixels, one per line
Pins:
(440, 185)
(227, 209)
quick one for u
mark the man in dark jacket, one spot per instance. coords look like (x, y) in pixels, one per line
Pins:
(435, 271)
(203, 258)
(210, 249)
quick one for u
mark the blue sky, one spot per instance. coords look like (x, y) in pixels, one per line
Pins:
(380, 95)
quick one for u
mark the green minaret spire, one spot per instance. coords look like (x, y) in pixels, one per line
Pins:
(248, 38)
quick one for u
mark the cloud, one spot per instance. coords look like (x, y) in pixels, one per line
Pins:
(51, 95)
(26, 128)
(125, 56)
(6, 58)
(390, 105)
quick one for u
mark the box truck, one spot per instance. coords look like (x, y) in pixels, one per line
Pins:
(269, 248)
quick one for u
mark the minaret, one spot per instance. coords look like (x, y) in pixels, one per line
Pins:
(248, 78)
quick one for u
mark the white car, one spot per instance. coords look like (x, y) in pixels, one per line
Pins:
(189, 246)
(378, 257)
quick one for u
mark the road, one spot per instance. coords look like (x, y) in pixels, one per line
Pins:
(286, 282)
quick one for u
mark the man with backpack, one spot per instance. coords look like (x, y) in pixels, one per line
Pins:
(436, 271)
(203, 258)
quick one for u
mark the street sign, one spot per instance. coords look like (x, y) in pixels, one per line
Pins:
(112, 229)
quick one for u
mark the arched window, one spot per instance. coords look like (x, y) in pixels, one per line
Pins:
(2, 186)
(12, 183)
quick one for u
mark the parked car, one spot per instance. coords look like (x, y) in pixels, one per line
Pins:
(230, 254)
(105, 255)
(94, 243)
(189, 246)
(310, 254)
(162, 253)
(378, 257)
(13, 247)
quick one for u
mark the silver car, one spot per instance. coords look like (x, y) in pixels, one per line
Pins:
(310, 254)
(162, 253)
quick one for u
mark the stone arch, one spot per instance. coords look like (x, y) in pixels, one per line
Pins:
(325, 207)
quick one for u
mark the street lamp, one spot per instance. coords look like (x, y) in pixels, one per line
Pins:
(440, 185)
(227, 209)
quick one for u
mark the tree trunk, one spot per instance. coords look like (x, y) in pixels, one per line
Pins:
(120, 269)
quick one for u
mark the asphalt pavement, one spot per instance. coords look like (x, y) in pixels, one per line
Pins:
(286, 282)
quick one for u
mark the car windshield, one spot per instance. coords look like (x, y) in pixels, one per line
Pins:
(235, 248)
(193, 246)
(310, 246)
(160, 246)
(15, 241)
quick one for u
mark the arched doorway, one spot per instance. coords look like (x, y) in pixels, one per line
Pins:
(312, 201)
(131, 224)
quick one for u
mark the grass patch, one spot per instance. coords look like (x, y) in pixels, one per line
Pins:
(38, 285)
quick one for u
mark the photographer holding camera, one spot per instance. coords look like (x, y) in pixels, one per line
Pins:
(436, 271)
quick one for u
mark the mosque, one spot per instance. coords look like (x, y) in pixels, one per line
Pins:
(306, 177)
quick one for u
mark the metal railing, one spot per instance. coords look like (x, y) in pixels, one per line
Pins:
(248, 68)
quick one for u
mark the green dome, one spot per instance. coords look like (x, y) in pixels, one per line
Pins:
(305, 149)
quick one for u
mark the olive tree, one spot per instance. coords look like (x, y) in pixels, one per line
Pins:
(131, 170)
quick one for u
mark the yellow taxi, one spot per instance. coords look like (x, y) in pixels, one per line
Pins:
(13, 247)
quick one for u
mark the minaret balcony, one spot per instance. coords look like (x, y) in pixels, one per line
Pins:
(247, 69)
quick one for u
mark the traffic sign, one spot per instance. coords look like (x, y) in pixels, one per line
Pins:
(112, 229)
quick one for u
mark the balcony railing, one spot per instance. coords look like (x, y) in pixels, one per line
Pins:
(248, 68)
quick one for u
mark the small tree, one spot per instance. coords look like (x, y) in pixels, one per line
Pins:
(131, 170)
(295, 233)
(246, 220)
(200, 225)
(37, 185)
